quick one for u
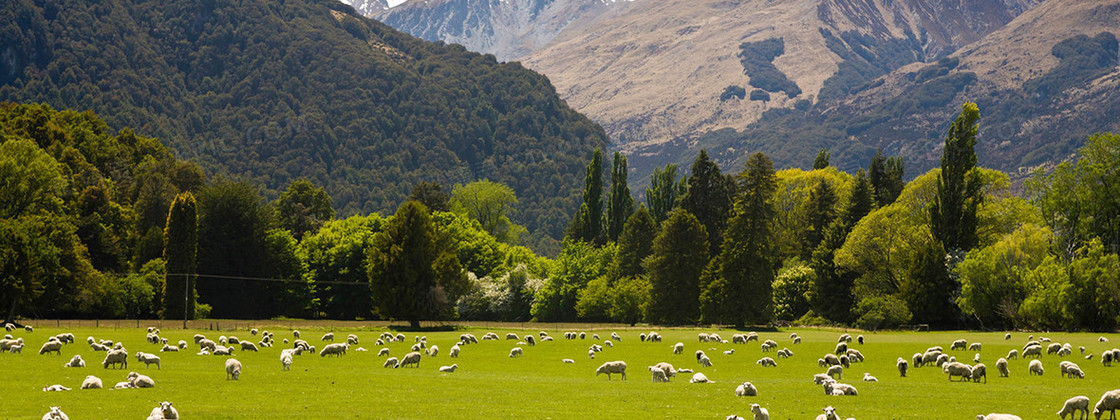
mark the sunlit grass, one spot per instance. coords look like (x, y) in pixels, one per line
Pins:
(537, 385)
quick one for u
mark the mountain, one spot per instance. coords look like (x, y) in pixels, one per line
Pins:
(1043, 82)
(270, 92)
(507, 29)
(368, 7)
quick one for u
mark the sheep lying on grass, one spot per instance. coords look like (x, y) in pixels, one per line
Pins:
(92, 382)
(829, 414)
(608, 368)
(1078, 404)
(55, 413)
(55, 388)
(868, 378)
(746, 389)
(997, 416)
(699, 378)
(759, 412)
(164, 412)
(76, 361)
(449, 369)
(140, 381)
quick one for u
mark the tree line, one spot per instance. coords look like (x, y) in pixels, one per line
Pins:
(113, 225)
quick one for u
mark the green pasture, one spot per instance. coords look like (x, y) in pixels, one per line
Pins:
(490, 384)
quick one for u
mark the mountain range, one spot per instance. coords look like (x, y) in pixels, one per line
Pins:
(787, 77)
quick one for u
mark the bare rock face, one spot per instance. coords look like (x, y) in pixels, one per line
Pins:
(368, 7)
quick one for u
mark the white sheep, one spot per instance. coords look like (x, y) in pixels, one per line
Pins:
(51, 347)
(248, 346)
(233, 369)
(957, 369)
(615, 336)
(976, 358)
(820, 378)
(594, 336)
(958, 344)
(746, 389)
(767, 362)
(352, 339)
(568, 361)
(140, 381)
(997, 416)
(336, 349)
(385, 351)
(835, 371)
(55, 413)
(516, 351)
(512, 336)
(433, 350)
(699, 378)
(729, 352)
(1075, 372)
(1035, 351)
(678, 348)
(974, 347)
(182, 345)
(123, 385)
(657, 375)
(868, 378)
(168, 347)
(902, 366)
(1102, 339)
(667, 368)
(796, 340)
(286, 360)
(55, 388)
(836, 388)
(148, 359)
(705, 361)
(207, 344)
(1078, 404)
(759, 412)
(164, 411)
(391, 362)
(979, 371)
(1001, 366)
(1013, 354)
(829, 414)
(92, 382)
(222, 351)
(328, 337)
(590, 354)
(115, 357)
(1110, 401)
(608, 368)
(410, 359)
(449, 369)
(1035, 367)
(76, 361)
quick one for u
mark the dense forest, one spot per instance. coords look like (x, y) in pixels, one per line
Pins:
(97, 223)
(270, 92)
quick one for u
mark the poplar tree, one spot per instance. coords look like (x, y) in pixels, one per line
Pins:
(953, 212)
(620, 205)
(180, 252)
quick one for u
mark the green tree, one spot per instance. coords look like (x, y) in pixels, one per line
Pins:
(953, 212)
(431, 195)
(709, 198)
(739, 289)
(1081, 200)
(620, 204)
(335, 267)
(577, 265)
(634, 245)
(587, 226)
(407, 270)
(490, 203)
(180, 251)
(303, 208)
(932, 294)
(1093, 300)
(832, 292)
(791, 290)
(892, 184)
(822, 211)
(822, 159)
(678, 260)
(664, 191)
(233, 221)
(631, 299)
(993, 278)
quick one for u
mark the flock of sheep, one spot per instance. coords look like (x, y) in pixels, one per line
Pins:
(833, 363)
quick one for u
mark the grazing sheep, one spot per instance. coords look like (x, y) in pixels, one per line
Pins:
(608, 343)
(512, 336)
(286, 360)
(92, 382)
(1075, 372)
(868, 378)
(976, 358)
(55, 388)
(835, 371)
(667, 368)
(222, 351)
(76, 361)
(140, 381)
(1110, 401)
(844, 338)
(845, 361)
(820, 378)
(116, 357)
(796, 340)
(678, 348)
(1102, 339)
(997, 416)
(959, 344)
(699, 378)
(532, 341)
(974, 347)
(859, 339)
(615, 336)
(391, 362)
(336, 349)
(658, 375)
(705, 361)
(1047, 340)
(1078, 404)
(1053, 348)
(902, 366)
(148, 359)
(328, 337)
(1106, 358)
(590, 354)
(164, 412)
(248, 346)
(746, 389)
(594, 336)
(55, 413)
(759, 412)
(1035, 351)
(979, 371)
(352, 339)
(854, 355)
(182, 345)
(1036, 367)
(1001, 366)
(608, 368)
(831, 359)
(454, 352)
(957, 369)
(410, 359)
(51, 347)
(516, 352)
(917, 359)
(207, 344)
(767, 362)
(1007, 336)
(829, 414)
(449, 369)
(1013, 354)
(434, 350)
(233, 369)
(943, 359)
(841, 348)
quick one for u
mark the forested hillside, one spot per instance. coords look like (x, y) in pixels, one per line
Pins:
(272, 91)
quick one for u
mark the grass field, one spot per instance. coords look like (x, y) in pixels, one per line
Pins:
(537, 385)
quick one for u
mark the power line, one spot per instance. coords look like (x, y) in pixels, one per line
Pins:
(216, 276)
